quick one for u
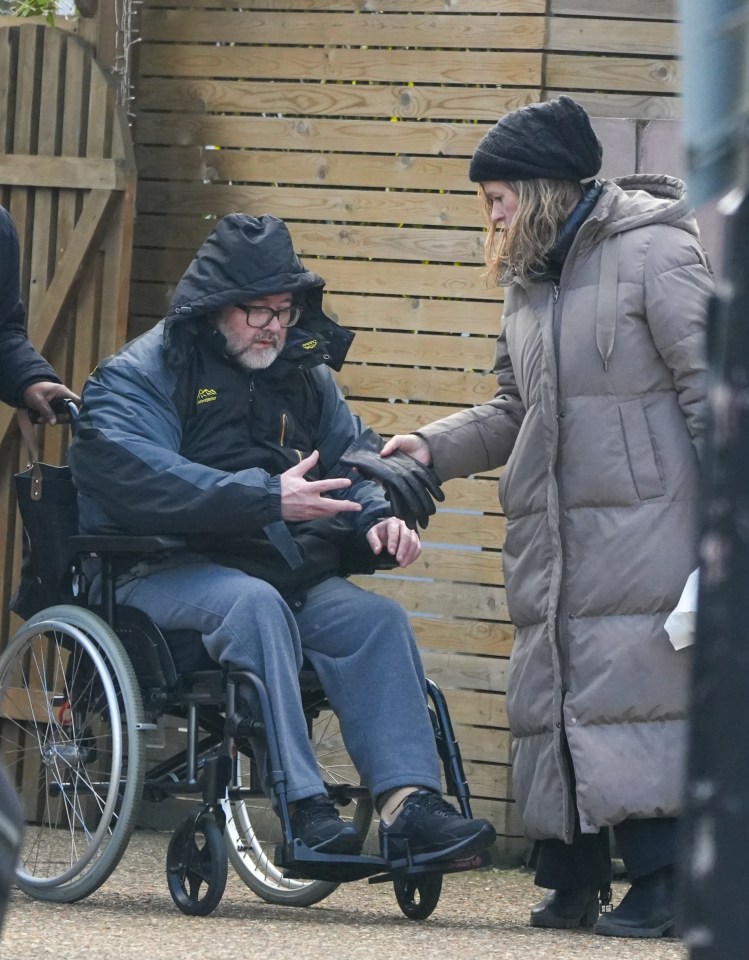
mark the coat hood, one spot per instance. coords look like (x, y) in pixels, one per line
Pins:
(641, 200)
(247, 257)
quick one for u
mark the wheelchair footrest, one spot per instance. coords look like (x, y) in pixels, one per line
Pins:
(305, 863)
(302, 861)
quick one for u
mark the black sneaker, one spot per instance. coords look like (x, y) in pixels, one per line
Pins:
(316, 823)
(429, 828)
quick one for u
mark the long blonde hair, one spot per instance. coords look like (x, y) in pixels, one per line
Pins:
(521, 250)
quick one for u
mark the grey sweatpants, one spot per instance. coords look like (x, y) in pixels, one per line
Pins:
(360, 645)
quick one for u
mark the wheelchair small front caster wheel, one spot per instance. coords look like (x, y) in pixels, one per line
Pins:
(418, 896)
(197, 866)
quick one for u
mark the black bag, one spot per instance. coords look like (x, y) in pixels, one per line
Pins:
(48, 507)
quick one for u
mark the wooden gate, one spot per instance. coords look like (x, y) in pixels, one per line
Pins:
(67, 177)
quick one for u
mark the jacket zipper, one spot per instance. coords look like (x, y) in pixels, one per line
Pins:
(251, 403)
(282, 438)
(560, 617)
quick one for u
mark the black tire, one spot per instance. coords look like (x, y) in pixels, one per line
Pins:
(417, 896)
(253, 829)
(197, 866)
(71, 711)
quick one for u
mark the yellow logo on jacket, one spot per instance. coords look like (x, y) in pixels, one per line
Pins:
(205, 395)
(310, 345)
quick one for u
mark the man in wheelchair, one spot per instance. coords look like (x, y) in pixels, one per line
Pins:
(223, 425)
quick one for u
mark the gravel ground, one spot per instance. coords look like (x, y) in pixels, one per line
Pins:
(482, 914)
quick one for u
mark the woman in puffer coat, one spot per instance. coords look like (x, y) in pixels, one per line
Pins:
(599, 417)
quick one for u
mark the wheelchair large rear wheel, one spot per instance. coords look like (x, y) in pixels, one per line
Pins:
(253, 829)
(70, 737)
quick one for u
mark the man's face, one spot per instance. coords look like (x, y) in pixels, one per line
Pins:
(254, 348)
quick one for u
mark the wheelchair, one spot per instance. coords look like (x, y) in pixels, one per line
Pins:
(81, 687)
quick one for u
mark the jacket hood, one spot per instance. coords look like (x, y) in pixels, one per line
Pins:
(247, 257)
(641, 200)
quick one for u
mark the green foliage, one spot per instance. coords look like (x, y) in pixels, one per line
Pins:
(35, 8)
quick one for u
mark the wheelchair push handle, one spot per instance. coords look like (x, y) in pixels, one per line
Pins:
(64, 409)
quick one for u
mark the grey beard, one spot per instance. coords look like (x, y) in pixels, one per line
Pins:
(252, 360)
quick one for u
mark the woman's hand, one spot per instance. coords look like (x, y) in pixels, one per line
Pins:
(411, 444)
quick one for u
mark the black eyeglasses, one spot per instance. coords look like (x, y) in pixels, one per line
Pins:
(260, 317)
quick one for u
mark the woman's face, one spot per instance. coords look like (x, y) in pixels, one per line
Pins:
(504, 202)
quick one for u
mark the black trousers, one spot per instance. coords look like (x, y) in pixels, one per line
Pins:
(644, 846)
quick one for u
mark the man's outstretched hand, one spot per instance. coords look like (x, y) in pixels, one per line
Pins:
(410, 485)
(303, 499)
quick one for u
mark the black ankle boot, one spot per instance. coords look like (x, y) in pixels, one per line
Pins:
(647, 910)
(566, 909)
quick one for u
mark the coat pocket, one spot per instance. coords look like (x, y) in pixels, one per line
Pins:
(643, 459)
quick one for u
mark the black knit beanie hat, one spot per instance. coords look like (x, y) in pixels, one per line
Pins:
(553, 140)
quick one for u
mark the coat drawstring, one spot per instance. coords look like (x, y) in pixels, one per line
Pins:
(606, 305)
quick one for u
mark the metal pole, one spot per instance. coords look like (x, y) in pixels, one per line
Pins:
(715, 916)
(715, 920)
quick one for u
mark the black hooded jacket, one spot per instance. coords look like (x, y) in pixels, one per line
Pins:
(20, 364)
(175, 439)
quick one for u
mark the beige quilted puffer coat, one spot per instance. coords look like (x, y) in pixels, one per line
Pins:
(599, 416)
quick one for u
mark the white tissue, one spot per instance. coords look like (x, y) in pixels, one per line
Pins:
(680, 622)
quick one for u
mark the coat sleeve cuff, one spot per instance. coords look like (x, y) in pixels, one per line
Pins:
(274, 495)
(37, 378)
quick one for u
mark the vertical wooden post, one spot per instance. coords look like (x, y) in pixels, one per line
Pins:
(106, 48)
(98, 27)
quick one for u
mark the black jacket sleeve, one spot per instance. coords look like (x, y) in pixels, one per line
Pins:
(20, 364)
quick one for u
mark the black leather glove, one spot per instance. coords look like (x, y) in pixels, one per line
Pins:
(410, 486)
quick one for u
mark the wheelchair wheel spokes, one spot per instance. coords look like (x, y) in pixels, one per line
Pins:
(253, 829)
(252, 832)
(332, 757)
(70, 714)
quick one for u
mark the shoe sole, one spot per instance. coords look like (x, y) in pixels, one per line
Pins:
(462, 850)
(604, 929)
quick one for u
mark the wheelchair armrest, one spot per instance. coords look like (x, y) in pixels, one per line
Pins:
(120, 545)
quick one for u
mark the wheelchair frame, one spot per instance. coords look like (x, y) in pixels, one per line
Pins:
(128, 679)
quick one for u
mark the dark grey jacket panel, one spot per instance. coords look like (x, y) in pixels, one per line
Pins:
(20, 364)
